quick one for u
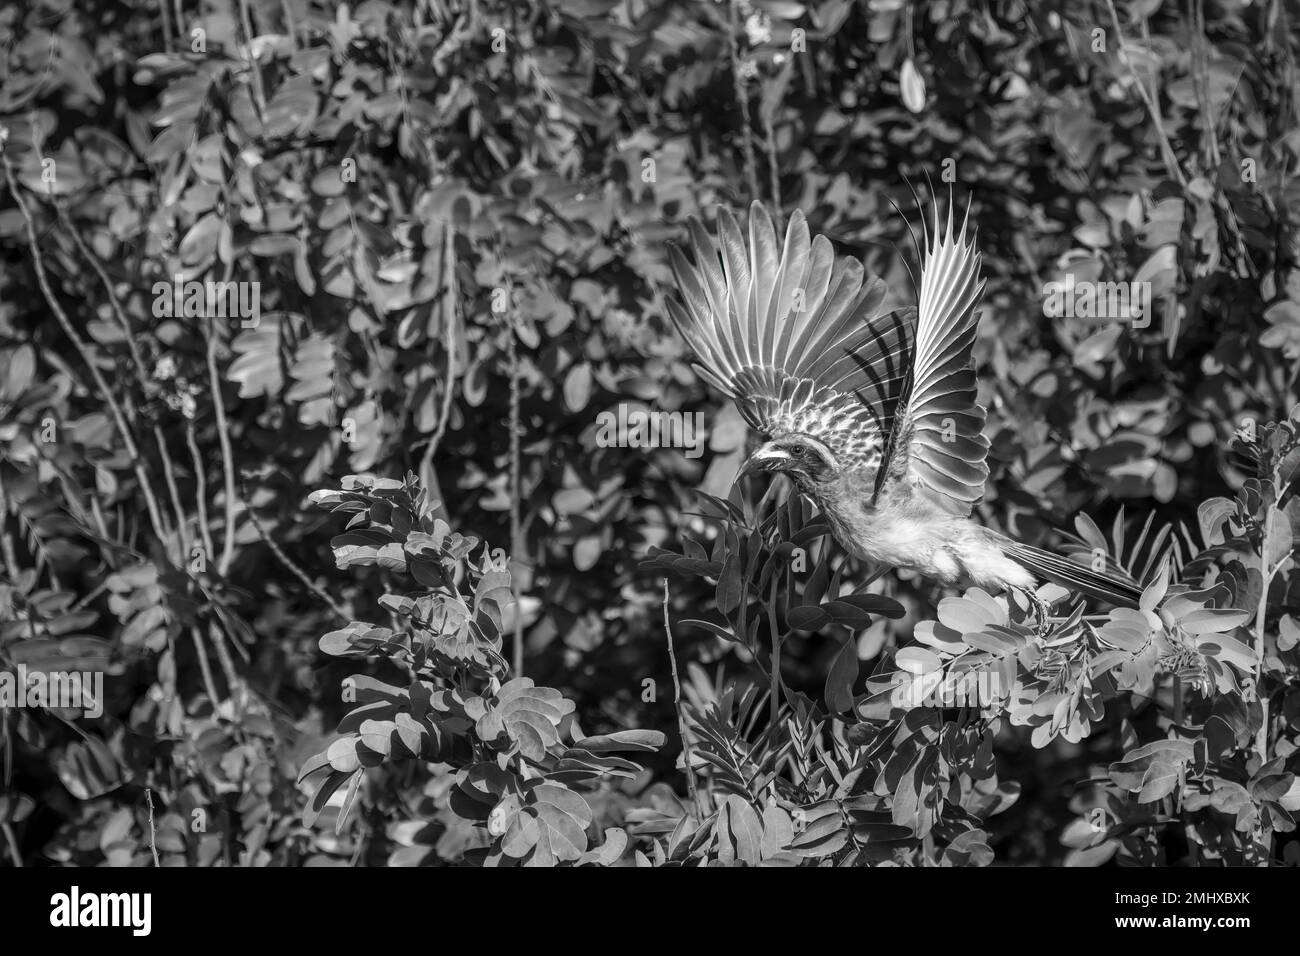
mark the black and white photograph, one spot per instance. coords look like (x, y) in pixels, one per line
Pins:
(644, 434)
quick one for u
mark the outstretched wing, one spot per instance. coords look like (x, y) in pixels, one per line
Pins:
(939, 446)
(794, 336)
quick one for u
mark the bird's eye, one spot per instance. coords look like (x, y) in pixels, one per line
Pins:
(798, 451)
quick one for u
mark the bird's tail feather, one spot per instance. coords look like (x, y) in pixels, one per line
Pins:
(1109, 585)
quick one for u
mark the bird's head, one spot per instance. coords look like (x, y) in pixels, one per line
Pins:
(807, 461)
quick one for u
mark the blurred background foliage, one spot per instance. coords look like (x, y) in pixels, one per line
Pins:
(456, 212)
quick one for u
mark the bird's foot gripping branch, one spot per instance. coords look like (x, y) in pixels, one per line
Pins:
(511, 762)
(1184, 713)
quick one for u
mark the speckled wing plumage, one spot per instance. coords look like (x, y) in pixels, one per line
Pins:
(794, 336)
(939, 447)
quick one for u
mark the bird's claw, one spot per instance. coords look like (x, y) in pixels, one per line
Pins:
(1042, 612)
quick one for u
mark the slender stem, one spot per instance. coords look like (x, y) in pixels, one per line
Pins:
(227, 456)
(451, 306)
(223, 656)
(115, 304)
(775, 683)
(169, 475)
(687, 759)
(259, 93)
(153, 833)
(769, 143)
(200, 490)
(516, 545)
(742, 100)
(288, 22)
(449, 315)
(1153, 109)
(201, 649)
(137, 362)
(166, 25)
(288, 562)
(115, 409)
(90, 595)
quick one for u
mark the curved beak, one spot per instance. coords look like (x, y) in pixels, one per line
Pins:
(763, 459)
(747, 469)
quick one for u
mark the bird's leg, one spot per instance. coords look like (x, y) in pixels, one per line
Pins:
(1041, 609)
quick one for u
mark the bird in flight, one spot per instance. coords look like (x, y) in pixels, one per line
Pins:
(871, 413)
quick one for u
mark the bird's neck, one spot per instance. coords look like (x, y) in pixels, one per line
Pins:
(846, 501)
(855, 487)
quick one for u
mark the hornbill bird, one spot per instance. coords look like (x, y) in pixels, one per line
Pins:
(871, 413)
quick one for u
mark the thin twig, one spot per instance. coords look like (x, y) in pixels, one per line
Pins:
(223, 436)
(1201, 81)
(450, 313)
(1153, 109)
(179, 17)
(259, 93)
(133, 451)
(153, 834)
(115, 304)
(515, 544)
(137, 362)
(288, 23)
(681, 714)
(775, 703)
(288, 562)
(742, 100)
(200, 490)
(769, 143)
(169, 475)
(201, 649)
(93, 593)
(218, 637)
(166, 25)
(230, 623)
(450, 307)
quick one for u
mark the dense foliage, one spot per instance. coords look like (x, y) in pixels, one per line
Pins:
(445, 222)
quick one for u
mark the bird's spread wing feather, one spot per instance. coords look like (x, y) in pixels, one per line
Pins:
(939, 446)
(795, 337)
